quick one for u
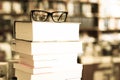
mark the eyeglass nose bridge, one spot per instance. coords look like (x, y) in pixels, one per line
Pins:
(50, 15)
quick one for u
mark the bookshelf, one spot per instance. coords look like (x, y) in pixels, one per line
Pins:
(97, 17)
(100, 21)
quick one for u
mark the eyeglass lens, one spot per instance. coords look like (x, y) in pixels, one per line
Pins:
(59, 16)
(39, 16)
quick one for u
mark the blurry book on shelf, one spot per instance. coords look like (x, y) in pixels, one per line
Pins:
(75, 19)
(91, 22)
(17, 7)
(1, 6)
(32, 5)
(103, 11)
(6, 31)
(83, 21)
(48, 47)
(76, 8)
(110, 37)
(41, 5)
(84, 0)
(5, 7)
(93, 1)
(61, 6)
(24, 6)
(107, 24)
(114, 10)
(112, 24)
(87, 10)
(103, 24)
(4, 71)
(50, 31)
(6, 49)
(86, 38)
(104, 1)
(70, 8)
(118, 24)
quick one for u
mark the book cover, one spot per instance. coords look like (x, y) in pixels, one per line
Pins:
(47, 31)
(36, 48)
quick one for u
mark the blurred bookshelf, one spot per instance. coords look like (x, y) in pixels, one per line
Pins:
(99, 19)
(100, 22)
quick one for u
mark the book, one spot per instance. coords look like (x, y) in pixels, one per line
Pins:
(48, 56)
(47, 63)
(86, 10)
(17, 7)
(21, 75)
(60, 73)
(32, 70)
(38, 64)
(28, 69)
(6, 7)
(35, 48)
(47, 31)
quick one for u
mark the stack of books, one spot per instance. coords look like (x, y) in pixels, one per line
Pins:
(48, 51)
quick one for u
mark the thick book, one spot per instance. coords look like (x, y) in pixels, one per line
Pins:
(21, 75)
(45, 70)
(46, 31)
(37, 64)
(32, 70)
(68, 72)
(35, 48)
(47, 63)
(48, 56)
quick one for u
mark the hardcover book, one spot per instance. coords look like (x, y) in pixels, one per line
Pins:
(35, 48)
(47, 63)
(47, 31)
(61, 73)
(32, 70)
(48, 56)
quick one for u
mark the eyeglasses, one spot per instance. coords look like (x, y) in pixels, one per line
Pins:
(40, 15)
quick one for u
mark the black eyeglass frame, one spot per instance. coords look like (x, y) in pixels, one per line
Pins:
(49, 14)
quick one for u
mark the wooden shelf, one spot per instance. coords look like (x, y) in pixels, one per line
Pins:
(8, 30)
(88, 29)
(110, 31)
(13, 14)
